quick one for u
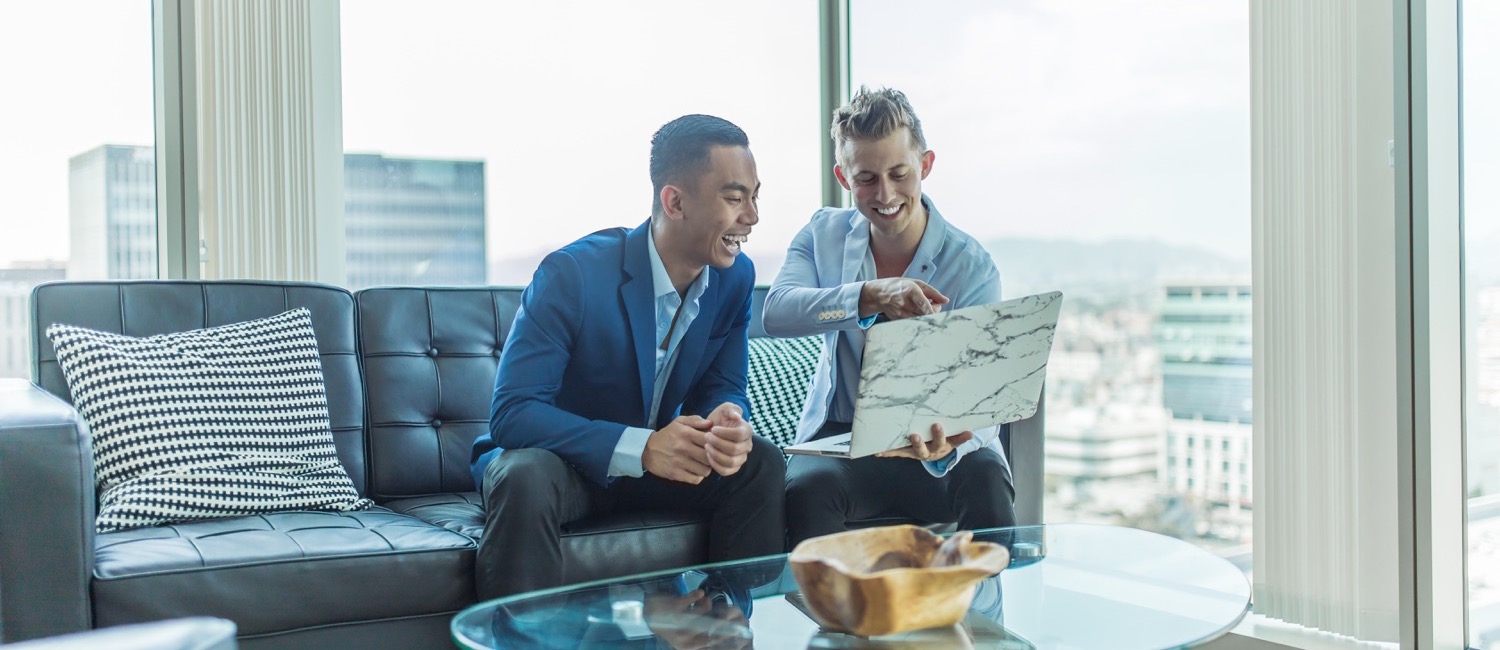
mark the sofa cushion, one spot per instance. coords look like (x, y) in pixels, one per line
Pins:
(215, 422)
(594, 548)
(283, 571)
(780, 373)
(148, 307)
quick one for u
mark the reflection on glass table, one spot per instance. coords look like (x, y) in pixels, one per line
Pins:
(1068, 586)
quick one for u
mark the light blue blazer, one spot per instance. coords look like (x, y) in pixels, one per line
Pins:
(817, 292)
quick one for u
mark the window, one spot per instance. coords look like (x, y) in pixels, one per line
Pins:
(79, 154)
(1056, 119)
(1481, 201)
(498, 132)
(1051, 119)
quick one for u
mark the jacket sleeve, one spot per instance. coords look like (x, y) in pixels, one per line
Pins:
(800, 302)
(524, 413)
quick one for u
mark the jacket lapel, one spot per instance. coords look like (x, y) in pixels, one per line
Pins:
(640, 311)
(856, 247)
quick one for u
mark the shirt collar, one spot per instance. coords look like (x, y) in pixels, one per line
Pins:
(661, 283)
(934, 235)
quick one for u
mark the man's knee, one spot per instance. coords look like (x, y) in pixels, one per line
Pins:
(811, 478)
(524, 475)
(765, 460)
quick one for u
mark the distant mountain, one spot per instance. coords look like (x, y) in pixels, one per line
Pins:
(1108, 273)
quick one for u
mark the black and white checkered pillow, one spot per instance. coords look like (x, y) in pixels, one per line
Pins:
(780, 372)
(217, 422)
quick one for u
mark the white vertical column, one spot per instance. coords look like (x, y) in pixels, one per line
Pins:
(271, 139)
(1326, 546)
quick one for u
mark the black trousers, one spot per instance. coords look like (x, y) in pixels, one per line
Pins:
(530, 494)
(824, 494)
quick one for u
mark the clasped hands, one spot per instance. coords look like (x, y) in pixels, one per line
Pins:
(691, 447)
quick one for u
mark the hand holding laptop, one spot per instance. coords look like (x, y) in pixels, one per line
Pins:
(964, 369)
(940, 446)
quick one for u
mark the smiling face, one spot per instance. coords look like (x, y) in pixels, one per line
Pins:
(709, 218)
(885, 176)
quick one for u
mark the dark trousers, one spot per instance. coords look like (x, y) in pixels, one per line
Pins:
(530, 494)
(824, 494)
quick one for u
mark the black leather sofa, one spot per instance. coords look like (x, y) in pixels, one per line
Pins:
(409, 372)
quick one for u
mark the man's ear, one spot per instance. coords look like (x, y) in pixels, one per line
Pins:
(927, 158)
(671, 201)
(838, 172)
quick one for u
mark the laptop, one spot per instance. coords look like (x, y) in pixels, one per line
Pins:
(965, 369)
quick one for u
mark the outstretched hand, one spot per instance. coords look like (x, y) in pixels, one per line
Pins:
(899, 298)
(940, 446)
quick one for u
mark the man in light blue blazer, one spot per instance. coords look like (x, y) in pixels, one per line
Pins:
(891, 256)
(622, 383)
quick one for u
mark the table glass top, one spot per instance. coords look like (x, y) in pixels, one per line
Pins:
(1068, 586)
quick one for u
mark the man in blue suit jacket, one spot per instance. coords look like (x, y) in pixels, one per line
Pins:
(622, 384)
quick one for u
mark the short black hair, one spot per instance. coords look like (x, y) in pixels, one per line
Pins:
(681, 147)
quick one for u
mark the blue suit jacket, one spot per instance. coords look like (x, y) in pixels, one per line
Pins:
(579, 364)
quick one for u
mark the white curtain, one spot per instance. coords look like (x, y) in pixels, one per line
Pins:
(270, 139)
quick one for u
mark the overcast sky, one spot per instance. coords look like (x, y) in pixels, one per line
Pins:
(1087, 118)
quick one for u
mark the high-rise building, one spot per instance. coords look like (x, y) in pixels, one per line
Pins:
(112, 213)
(15, 313)
(1104, 414)
(406, 220)
(1204, 336)
(1482, 391)
(413, 221)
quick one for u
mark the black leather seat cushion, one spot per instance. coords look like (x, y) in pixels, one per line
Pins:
(283, 571)
(594, 548)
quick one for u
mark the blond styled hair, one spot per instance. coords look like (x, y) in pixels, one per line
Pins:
(875, 114)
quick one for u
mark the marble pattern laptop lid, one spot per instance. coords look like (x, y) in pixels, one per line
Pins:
(965, 369)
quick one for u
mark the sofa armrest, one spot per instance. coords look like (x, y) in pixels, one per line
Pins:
(46, 514)
(1027, 454)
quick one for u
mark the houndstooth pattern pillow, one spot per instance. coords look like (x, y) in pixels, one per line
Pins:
(217, 422)
(780, 373)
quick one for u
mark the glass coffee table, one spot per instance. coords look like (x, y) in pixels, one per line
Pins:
(1068, 586)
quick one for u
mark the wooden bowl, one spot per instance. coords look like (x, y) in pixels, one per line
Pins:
(893, 579)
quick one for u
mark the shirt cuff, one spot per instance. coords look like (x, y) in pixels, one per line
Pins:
(626, 461)
(865, 323)
(940, 467)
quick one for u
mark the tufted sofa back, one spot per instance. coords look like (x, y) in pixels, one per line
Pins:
(429, 356)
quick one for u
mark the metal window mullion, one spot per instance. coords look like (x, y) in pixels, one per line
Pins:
(833, 78)
(174, 64)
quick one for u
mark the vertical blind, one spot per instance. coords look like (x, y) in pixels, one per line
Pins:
(270, 139)
(1326, 545)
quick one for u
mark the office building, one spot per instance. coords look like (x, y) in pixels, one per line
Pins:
(413, 221)
(16, 283)
(406, 220)
(112, 213)
(1204, 337)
